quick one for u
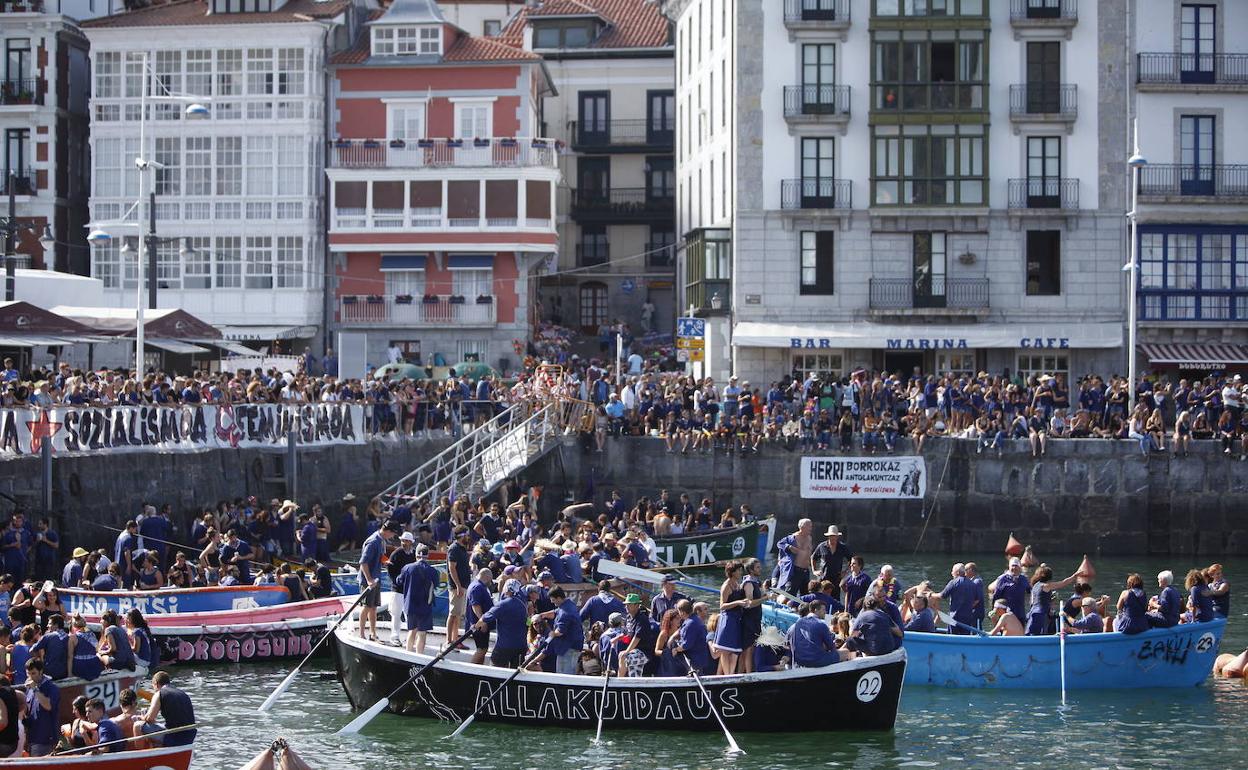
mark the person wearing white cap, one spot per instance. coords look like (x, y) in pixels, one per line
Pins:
(1012, 587)
(417, 582)
(399, 559)
(1006, 622)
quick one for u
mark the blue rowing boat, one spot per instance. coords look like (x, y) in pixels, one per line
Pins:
(1181, 656)
(168, 600)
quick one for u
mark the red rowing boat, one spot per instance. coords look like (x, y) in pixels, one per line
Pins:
(171, 758)
(331, 606)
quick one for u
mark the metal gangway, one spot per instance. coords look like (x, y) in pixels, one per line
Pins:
(492, 452)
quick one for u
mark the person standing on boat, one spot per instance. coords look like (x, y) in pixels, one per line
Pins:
(1165, 608)
(729, 632)
(509, 619)
(961, 595)
(691, 639)
(751, 612)
(567, 635)
(123, 553)
(43, 702)
(1132, 615)
(399, 559)
(286, 516)
(854, 586)
(1042, 588)
(322, 531)
(307, 537)
(237, 552)
(71, 575)
(972, 575)
(830, 556)
(458, 575)
(667, 597)
(53, 646)
(599, 607)
(417, 582)
(1012, 587)
(478, 602)
(793, 558)
(175, 707)
(572, 570)
(638, 658)
(13, 547)
(1200, 597)
(370, 577)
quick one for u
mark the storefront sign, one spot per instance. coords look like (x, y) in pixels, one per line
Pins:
(859, 336)
(843, 478)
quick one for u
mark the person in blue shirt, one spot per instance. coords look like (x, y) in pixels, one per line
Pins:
(1013, 587)
(238, 553)
(55, 648)
(477, 602)
(822, 591)
(572, 571)
(1091, 622)
(47, 544)
(976, 590)
(146, 652)
(370, 576)
(13, 549)
(43, 702)
(109, 580)
(10, 373)
(123, 553)
(855, 584)
(1199, 596)
(922, 619)
(1167, 606)
(960, 592)
(114, 649)
(691, 647)
(509, 619)
(417, 582)
(811, 640)
(549, 562)
(598, 608)
(873, 632)
(71, 575)
(307, 537)
(155, 530)
(566, 638)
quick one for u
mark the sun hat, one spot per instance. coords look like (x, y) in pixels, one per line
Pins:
(80, 552)
(407, 537)
(632, 599)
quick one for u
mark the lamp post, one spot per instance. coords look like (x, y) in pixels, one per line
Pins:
(11, 229)
(1132, 268)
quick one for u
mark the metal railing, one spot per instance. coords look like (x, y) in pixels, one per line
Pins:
(660, 254)
(19, 91)
(22, 184)
(639, 132)
(1214, 180)
(21, 6)
(443, 153)
(816, 10)
(352, 217)
(926, 96)
(905, 293)
(1043, 193)
(1060, 99)
(1024, 10)
(491, 453)
(434, 310)
(1204, 68)
(815, 100)
(622, 202)
(820, 193)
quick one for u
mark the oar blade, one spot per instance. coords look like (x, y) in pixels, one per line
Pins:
(629, 572)
(462, 726)
(277, 692)
(357, 724)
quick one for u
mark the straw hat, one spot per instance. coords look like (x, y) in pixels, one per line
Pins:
(80, 552)
(772, 637)
(288, 505)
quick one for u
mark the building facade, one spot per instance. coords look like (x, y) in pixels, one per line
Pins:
(895, 184)
(1191, 96)
(239, 202)
(441, 190)
(611, 62)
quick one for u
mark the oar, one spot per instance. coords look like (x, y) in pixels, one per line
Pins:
(523, 665)
(627, 571)
(602, 706)
(290, 678)
(950, 621)
(732, 744)
(359, 722)
(1061, 642)
(95, 746)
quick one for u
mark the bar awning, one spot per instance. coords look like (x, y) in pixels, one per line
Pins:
(25, 341)
(1194, 355)
(394, 262)
(860, 335)
(230, 346)
(174, 346)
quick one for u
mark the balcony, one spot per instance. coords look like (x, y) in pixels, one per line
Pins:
(939, 296)
(22, 91)
(1043, 15)
(415, 312)
(816, 194)
(21, 6)
(623, 205)
(443, 153)
(660, 254)
(816, 15)
(1178, 183)
(592, 254)
(426, 218)
(1219, 72)
(1210, 306)
(816, 104)
(624, 135)
(22, 184)
(1043, 193)
(1044, 103)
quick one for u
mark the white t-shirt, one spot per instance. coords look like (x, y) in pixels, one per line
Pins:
(634, 364)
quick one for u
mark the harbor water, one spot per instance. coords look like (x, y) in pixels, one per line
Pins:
(1141, 728)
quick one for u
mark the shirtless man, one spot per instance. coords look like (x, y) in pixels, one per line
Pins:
(1007, 623)
(794, 558)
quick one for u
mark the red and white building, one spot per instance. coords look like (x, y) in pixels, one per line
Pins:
(441, 191)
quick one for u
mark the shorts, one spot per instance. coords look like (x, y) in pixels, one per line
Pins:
(372, 596)
(504, 658)
(481, 639)
(420, 622)
(458, 602)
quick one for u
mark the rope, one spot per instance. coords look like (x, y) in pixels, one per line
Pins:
(927, 517)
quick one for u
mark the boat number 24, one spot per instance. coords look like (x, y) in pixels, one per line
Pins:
(108, 692)
(868, 686)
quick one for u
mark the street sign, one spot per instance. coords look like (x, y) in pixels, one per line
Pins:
(628, 286)
(691, 327)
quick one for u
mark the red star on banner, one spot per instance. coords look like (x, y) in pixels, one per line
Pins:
(40, 429)
(855, 489)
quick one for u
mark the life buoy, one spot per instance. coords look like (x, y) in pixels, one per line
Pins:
(1221, 662)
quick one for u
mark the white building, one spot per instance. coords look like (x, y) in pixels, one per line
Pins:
(243, 189)
(902, 183)
(1191, 96)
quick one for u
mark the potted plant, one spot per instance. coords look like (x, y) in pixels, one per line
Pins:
(508, 141)
(485, 299)
(479, 142)
(430, 299)
(342, 143)
(349, 299)
(375, 299)
(455, 299)
(398, 144)
(540, 143)
(403, 299)
(454, 142)
(371, 144)
(424, 144)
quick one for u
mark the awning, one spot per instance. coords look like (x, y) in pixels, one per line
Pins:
(470, 261)
(174, 346)
(391, 262)
(233, 347)
(24, 341)
(266, 333)
(859, 335)
(1191, 355)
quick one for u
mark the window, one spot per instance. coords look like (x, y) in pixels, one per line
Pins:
(229, 72)
(593, 306)
(168, 68)
(1044, 172)
(169, 153)
(229, 165)
(571, 34)
(290, 165)
(134, 77)
(593, 248)
(816, 261)
(108, 75)
(660, 178)
(106, 264)
(660, 249)
(197, 264)
(1044, 263)
(1196, 154)
(198, 170)
(259, 165)
(228, 261)
(472, 283)
(931, 264)
(16, 156)
(1032, 364)
(409, 283)
(1194, 273)
(431, 40)
(929, 165)
(259, 263)
(259, 70)
(405, 120)
(108, 167)
(290, 262)
(935, 71)
(199, 71)
(474, 119)
(818, 74)
(825, 365)
(1197, 44)
(492, 27)
(929, 7)
(168, 265)
(383, 41)
(289, 71)
(957, 363)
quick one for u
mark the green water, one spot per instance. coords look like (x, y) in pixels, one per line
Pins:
(1197, 728)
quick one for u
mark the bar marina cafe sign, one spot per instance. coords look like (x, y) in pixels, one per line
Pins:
(933, 337)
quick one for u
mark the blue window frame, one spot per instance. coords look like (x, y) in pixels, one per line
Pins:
(1193, 273)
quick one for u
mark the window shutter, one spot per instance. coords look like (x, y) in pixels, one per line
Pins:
(823, 261)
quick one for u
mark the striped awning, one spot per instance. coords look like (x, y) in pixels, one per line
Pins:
(1193, 355)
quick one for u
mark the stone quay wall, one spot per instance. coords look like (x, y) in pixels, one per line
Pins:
(1087, 496)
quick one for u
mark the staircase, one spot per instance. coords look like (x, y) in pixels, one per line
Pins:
(490, 454)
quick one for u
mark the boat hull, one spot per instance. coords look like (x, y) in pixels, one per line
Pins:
(718, 545)
(107, 687)
(239, 643)
(169, 601)
(172, 758)
(856, 695)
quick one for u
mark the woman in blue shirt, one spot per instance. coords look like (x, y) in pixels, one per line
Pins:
(1133, 607)
(1200, 597)
(1042, 588)
(82, 658)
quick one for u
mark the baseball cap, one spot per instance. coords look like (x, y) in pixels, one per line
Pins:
(407, 537)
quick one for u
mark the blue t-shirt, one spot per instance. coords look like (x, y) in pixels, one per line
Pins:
(810, 639)
(228, 552)
(111, 731)
(41, 724)
(508, 619)
(693, 642)
(105, 582)
(370, 556)
(568, 624)
(923, 621)
(876, 628)
(961, 595)
(478, 594)
(71, 576)
(598, 608)
(55, 647)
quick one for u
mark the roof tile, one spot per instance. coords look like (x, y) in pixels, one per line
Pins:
(631, 23)
(180, 13)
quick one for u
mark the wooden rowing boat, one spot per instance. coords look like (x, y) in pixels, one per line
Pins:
(710, 547)
(171, 600)
(860, 694)
(171, 758)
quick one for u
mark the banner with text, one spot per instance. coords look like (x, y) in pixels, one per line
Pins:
(846, 478)
(177, 428)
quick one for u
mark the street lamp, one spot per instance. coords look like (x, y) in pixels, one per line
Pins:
(1136, 162)
(11, 229)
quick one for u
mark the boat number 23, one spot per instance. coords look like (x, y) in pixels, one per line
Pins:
(868, 686)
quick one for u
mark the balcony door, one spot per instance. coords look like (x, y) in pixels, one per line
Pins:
(818, 79)
(16, 158)
(1196, 43)
(818, 173)
(1044, 172)
(1044, 9)
(660, 117)
(930, 269)
(17, 50)
(594, 114)
(818, 10)
(1196, 152)
(593, 181)
(1044, 77)
(660, 179)
(593, 296)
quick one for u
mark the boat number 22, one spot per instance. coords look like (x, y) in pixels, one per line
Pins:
(868, 686)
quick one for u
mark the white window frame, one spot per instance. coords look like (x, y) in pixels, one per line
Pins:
(258, 263)
(430, 41)
(288, 262)
(394, 107)
(474, 103)
(197, 264)
(383, 41)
